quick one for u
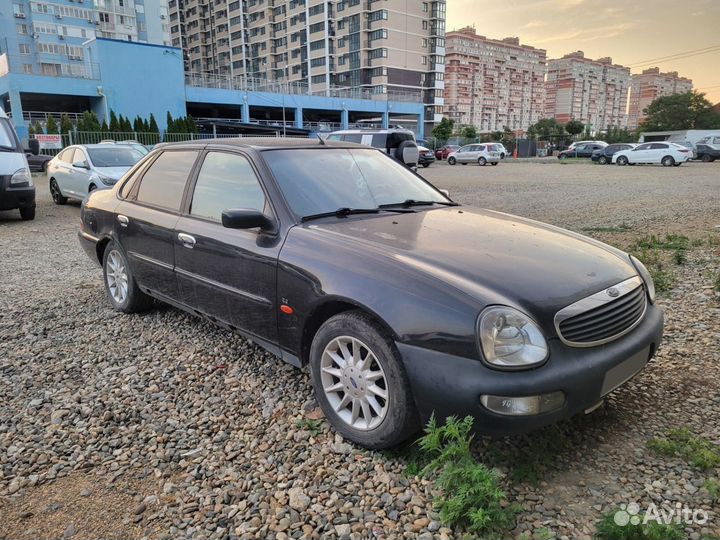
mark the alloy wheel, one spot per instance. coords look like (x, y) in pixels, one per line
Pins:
(117, 278)
(354, 383)
(55, 191)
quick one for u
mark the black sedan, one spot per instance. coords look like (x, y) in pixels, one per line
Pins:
(581, 151)
(604, 155)
(38, 162)
(707, 152)
(401, 301)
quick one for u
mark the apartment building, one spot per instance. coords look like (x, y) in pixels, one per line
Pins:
(47, 37)
(592, 91)
(380, 46)
(649, 85)
(492, 84)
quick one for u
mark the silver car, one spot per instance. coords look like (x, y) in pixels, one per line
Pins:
(80, 169)
(482, 154)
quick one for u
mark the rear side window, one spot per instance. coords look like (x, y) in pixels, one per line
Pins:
(352, 137)
(164, 182)
(225, 181)
(334, 138)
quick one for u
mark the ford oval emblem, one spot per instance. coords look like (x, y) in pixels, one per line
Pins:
(613, 292)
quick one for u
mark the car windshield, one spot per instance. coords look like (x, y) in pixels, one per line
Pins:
(327, 179)
(7, 135)
(114, 156)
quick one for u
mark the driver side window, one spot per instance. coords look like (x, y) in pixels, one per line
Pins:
(79, 157)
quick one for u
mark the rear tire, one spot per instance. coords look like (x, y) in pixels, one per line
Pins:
(493, 163)
(622, 161)
(707, 158)
(56, 194)
(667, 161)
(27, 213)
(374, 369)
(120, 286)
(451, 161)
(425, 165)
(482, 161)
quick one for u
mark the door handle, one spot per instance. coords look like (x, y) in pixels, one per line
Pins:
(123, 220)
(186, 240)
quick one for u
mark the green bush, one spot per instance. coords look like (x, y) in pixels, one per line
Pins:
(698, 451)
(607, 529)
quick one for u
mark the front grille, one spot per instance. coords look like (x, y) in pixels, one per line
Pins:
(601, 318)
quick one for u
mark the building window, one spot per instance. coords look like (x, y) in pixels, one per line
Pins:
(424, 25)
(19, 10)
(24, 48)
(27, 68)
(425, 7)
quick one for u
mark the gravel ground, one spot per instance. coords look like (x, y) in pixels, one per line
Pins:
(161, 425)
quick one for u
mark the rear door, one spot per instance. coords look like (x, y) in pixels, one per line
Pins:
(657, 152)
(146, 220)
(229, 274)
(61, 170)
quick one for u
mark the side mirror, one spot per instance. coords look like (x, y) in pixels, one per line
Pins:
(245, 218)
(34, 146)
(81, 165)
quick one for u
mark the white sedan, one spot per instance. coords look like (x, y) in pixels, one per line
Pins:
(665, 153)
(80, 169)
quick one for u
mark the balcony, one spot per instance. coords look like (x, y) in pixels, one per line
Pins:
(59, 67)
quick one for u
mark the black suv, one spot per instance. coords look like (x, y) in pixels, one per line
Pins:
(399, 143)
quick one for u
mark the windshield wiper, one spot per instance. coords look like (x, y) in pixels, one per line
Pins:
(341, 212)
(412, 202)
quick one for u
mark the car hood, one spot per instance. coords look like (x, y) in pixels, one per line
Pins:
(494, 257)
(113, 172)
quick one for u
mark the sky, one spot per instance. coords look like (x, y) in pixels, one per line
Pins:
(630, 31)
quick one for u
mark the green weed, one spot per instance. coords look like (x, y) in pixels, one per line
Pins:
(698, 451)
(607, 529)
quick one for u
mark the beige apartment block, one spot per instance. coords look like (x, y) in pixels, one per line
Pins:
(492, 84)
(649, 85)
(394, 47)
(592, 91)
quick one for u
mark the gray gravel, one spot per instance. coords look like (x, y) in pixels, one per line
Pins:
(173, 428)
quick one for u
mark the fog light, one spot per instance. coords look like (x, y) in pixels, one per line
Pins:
(523, 406)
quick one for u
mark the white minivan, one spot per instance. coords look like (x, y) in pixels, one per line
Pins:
(16, 186)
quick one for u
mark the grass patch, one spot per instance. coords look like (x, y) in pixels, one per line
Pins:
(698, 451)
(713, 487)
(623, 227)
(472, 498)
(670, 242)
(607, 529)
(313, 426)
(663, 277)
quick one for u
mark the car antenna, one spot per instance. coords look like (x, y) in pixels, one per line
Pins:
(322, 141)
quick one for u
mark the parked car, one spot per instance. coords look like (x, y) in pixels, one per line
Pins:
(444, 151)
(37, 162)
(482, 154)
(398, 143)
(604, 155)
(132, 144)
(665, 153)
(80, 169)
(426, 156)
(500, 149)
(17, 191)
(707, 152)
(400, 301)
(582, 150)
(578, 143)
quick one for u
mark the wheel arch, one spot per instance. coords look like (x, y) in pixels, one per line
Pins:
(100, 248)
(328, 308)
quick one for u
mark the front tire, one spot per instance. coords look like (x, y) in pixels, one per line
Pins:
(493, 163)
(360, 382)
(451, 161)
(622, 161)
(482, 161)
(667, 161)
(120, 286)
(56, 194)
(425, 165)
(27, 213)
(602, 160)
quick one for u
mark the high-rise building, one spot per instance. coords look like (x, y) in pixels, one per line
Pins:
(46, 37)
(378, 47)
(592, 91)
(492, 84)
(649, 85)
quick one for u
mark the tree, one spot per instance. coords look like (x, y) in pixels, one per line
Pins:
(125, 125)
(65, 124)
(38, 128)
(170, 127)
(680, 111)
(546, 128)
(615, 134)
(104, 127)
(138, 124)
(31, 131)
(145, 125)
(443, 131)
(574, 127)
(114, 124)
(469, 132)
(191, 124)
(51, 125)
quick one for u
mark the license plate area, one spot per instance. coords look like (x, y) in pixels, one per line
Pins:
(624, 371)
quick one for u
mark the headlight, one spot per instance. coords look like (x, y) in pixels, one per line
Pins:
(510, 339)
(646, 277)
(107, 180)
(21, 176)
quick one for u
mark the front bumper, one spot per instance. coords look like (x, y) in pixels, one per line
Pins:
(428, 159)
(450, 385)
(12, 197)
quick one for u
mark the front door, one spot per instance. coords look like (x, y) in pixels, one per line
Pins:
(146, 220)
(229, 274)
(641, 154)
(80, 173)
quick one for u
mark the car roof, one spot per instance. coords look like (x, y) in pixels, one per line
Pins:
(370, 131)
(263, 143)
